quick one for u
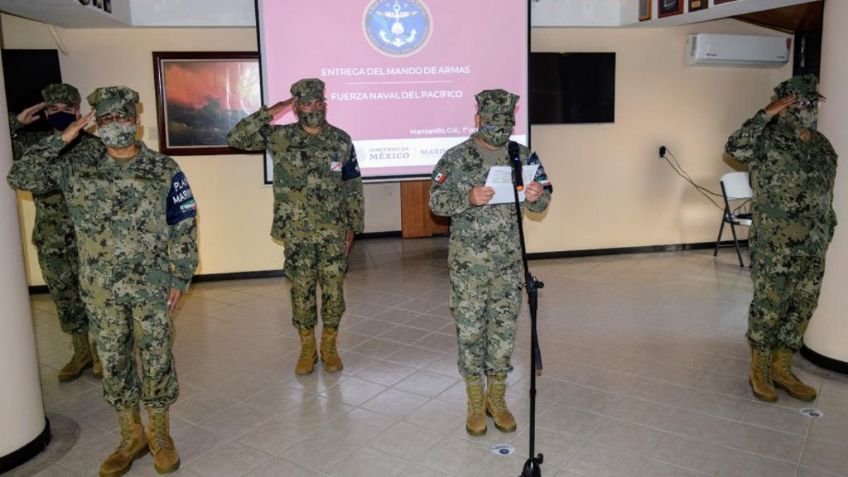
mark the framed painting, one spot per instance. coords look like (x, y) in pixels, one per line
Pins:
(645, 10)
(200, 96)
(667, 8)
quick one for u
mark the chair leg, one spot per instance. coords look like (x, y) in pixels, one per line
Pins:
(718, 240)
(736, 241)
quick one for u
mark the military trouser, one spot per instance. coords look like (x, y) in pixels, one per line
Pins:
(120, 330)
(310, 261)
(485, 306)
(60, 268)
(786, 293)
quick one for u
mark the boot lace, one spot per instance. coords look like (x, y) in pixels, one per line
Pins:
(160, 432)
(475, 397)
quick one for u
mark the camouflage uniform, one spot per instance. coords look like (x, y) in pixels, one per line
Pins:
(793, 220)
(317, 200)
(53, 233)
(135, 223)
(484, 251)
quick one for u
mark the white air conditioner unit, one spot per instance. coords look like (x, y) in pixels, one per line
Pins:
(711, 49)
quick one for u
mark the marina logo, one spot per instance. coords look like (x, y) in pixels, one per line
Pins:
(397, 27)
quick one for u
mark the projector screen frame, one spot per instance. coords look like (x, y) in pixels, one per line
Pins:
(267, 173)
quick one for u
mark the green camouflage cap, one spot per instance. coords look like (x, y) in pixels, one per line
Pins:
(496, 106)
(309, 89)
(61, 93)
(804, 87)
(109, 99)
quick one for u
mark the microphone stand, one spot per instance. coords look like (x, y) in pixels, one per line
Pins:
(532, 285)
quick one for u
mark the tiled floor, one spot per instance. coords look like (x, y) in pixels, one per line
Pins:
(645, 375)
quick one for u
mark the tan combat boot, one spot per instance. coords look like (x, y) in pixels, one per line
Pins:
(165, 456)
(80, 361)
(785, 379)
(496, 404)
(760, 379)
(329, 354)
(133, 445)
(308, 355)
(96, 365)
(475, 423)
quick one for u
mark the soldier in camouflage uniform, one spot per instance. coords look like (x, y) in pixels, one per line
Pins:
(485, 255)
(792, 169)
(318, 206)
(134, 216)
(53, 234)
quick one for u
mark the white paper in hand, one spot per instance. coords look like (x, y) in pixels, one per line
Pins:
(500, 179)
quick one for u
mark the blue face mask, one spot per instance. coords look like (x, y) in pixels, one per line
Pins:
(61, 120)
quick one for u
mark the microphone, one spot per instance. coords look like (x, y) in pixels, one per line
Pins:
(515, 159)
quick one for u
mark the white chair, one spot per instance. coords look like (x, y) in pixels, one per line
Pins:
(735, 187)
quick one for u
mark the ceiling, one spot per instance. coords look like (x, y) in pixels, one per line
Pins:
(803, 18)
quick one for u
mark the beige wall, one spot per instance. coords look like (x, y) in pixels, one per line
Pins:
(611, 190)
(235, 208)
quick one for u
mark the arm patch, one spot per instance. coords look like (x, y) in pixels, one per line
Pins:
(350, 170)
(181, 204)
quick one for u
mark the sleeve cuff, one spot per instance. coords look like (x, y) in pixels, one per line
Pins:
(181, 285)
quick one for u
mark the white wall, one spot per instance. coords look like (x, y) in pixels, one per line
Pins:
(828, 331)
(610, 189)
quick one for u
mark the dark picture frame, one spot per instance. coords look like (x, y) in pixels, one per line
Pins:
(646, 8)
(719, 2)
(667, 8)
(200, 96)
(695, 5)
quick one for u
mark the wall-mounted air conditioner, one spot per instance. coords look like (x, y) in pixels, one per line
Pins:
(709, 49)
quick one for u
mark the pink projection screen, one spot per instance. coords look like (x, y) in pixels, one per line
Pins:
(401, 75)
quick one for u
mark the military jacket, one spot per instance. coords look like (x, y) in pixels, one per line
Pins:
(317, 182)
(135, 222)
(52, 221)
(487, 233)
(792, 182)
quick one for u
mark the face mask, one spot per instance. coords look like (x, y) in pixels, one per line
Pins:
(312, 119)
(495, 135)
(117, 135)
(802, 118)
(61, 120)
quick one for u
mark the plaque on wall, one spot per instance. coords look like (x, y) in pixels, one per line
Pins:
(695, 5)
(667, 8)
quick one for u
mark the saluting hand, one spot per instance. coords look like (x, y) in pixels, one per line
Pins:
(775, 107)
(71, 132)
(30, 114)
(480, 195)
(281, 105)
(532, 191)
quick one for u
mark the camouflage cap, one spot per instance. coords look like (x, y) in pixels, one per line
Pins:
(109, 99)
(496, 105)
(61, 93)
(804, 87)
(309, 89)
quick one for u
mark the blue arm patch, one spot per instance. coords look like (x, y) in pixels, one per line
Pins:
(541, 175)
(181, 203)
(350, 170)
